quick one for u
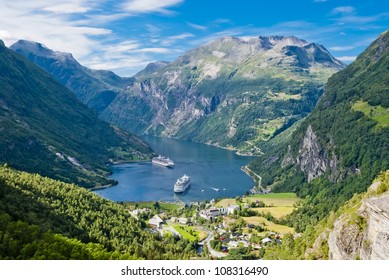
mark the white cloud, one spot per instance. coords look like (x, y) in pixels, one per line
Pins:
(355, 45)
(150, 6)
(319, 1)
(152, 50)
(342, 48)
(346, 59)
(197, 26)
(67, 8)
(343, 10)
(171, 40)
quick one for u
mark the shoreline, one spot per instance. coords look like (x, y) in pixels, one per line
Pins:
(256, 178)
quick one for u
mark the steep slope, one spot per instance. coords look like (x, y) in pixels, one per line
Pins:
(42, 218)
(45, 129)
(95, 88)
(232, 92)
(342, 146)
(357, 230)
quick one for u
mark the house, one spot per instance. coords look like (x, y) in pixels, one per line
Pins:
(222, 211)
(232, 244)
(232, 209)
(155, 221)
(246, 206)
(210, 213)
(174, 219)
(266, 240)
(183, 220)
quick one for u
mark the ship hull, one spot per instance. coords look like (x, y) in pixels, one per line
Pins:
(163, 164)
(181, 189)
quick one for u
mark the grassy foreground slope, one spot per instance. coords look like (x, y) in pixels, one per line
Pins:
(41, 218)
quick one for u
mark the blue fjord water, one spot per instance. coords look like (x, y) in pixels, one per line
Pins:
(210, 168)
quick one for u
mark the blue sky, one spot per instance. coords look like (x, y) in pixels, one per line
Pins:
(124, 36)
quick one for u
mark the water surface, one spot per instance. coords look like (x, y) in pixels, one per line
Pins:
(214, 173)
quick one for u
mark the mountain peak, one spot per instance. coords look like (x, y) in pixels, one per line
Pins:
(39, 49)
(151, 68)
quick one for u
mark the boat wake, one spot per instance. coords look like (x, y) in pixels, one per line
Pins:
(215, 189)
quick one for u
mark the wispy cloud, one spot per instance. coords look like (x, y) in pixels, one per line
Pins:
(352, 46)
(346, 59)
(319, 1)
(197, 26)
(149, 6)
(343, 10)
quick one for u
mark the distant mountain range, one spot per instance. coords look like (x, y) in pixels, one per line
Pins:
(231, 92)
(46, 130)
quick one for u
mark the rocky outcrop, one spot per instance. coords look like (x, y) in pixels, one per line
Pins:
(365, 234)
(312, 158)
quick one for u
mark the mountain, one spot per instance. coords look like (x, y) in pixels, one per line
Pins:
(341, 146)
(231, 92)
(151, 68)
(95, 88)
(45, 129)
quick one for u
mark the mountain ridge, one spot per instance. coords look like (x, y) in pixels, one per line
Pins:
(95, 88)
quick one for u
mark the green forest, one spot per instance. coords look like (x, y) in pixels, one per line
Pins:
(41, 218)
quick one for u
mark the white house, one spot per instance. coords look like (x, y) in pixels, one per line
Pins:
(155, 221)
(266, 240)
(183, 220)
(232, 209)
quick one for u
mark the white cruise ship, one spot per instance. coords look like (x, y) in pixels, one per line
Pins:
(182, 184)
(163, 161)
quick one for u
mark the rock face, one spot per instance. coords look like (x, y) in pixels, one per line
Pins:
(312, 158)
(95, 88)
(228, 91)
(364, 235)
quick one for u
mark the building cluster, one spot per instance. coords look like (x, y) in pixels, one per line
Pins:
(213, 212)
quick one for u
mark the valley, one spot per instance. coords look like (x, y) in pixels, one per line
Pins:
(313, 132)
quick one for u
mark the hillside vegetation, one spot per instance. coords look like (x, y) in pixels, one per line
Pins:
(45, 129)
(41, 218)
(342, 146)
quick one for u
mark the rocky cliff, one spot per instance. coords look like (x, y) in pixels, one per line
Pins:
(363, 234)
(312, 159)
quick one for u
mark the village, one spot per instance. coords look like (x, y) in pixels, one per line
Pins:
(247, 223)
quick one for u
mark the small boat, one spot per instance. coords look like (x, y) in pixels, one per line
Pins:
(224, 189)
(215, 189)
(182, 184)
(163, 161)
(202, 190)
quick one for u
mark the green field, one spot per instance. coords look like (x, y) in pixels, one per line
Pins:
(268, 225)
(377, 113)
(276, 199)
(186, 231)
(277, 211)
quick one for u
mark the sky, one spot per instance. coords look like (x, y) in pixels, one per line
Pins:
(124, 36)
